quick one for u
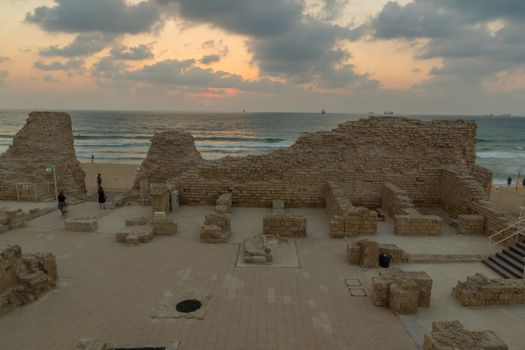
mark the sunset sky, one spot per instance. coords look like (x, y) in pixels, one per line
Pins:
(421, 56)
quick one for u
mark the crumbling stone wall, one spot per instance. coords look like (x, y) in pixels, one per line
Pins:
(282, 224)
(479, 290)
(448, 335)
(366, 253)
(12, 219)
(346, 219)
(46, 139)
(407, 219)
(23, 278)
(359, 155)
(81, 224)
(471, 224)
(402, 291)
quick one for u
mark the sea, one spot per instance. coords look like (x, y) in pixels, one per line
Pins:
(124, 136)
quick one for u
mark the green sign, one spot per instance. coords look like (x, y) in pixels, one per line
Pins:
(49, 169)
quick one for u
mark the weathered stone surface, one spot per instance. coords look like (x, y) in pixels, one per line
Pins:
(451, 335)
(479, 290)
(12, 219)
(214, 234)
(81, 224)
(257, 251)
(160, 196)
(471, 224)
(138, 221)
(23, 278)
(359, 155)
(164, 227)
(401, 290)
(45, 140)
(223, 220)
(224, 203)
(286, 225)
(366, 253)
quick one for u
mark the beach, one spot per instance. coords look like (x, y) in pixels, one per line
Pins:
(115, 177)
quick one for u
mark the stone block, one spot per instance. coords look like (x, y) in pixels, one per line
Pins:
(471, 224)
(287, 225)
(164, 227)
(223, 220)
(213, 234)
(257, 251)
(403, 297)
(479, 290)
(81, 224)
(132, 239)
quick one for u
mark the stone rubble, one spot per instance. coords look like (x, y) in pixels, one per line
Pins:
(12, 219)
(451, 335)
(279, 223)
(257, 250)
(81, 224)
(479, 290)
(24, 277)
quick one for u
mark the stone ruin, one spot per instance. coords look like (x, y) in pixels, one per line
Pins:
(451, 335)
(479, 290)
(24, 277)
(365, 253)
(45, 140)
(471, 224)
(81, 224)
(143, 229)
(408, 221)
(160, 196)
(12, 219)
(217, 223)
(90, 344)
(282, 224)
(257, 250)
(402, 291)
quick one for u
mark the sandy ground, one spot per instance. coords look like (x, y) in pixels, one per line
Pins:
(115, 177)
(508, 198)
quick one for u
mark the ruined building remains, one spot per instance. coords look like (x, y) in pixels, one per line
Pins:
(45, 141)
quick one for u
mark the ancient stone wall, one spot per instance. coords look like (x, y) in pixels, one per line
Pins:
(23, 278)
(479, 290)
(451, 335)
(45, 140)
(471, 224)
(458, 189)
(365, 253)
(484, 177)
(359, 155)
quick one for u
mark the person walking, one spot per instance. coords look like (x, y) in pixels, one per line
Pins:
(101, 198)
(62, 202)
(92, 159)
(509, 181)
(99, 181)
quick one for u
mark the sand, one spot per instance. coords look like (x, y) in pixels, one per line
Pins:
(115, 177)
(508, 198)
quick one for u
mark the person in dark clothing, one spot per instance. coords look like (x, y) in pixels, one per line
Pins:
(509, 181)
(101, 198)
(62, 202)
(99, 181)
(523, 182)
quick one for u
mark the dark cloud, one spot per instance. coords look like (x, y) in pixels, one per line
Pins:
(85, 44)
(209, 59)
(73, 64)
(107, 16)
(254, 18)
(50, 79)
(137, 53)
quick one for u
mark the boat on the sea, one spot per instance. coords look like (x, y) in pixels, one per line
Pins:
(323, 111)
(389, 113)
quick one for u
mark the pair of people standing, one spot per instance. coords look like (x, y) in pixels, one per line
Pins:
(101, 194)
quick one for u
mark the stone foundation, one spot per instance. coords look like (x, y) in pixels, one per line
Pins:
(402, 291)
(471, 224)
(224, 221)
(164, 227)
(407, 219)
(138, 221)
(257, 251)
(81, 224)
(224, 203)
(134, 235)
(347, 220)
(285, 225)
(452, 335)
(366, 253)
(12, 219)
(478, 290)
(24, 278)
(214, 234)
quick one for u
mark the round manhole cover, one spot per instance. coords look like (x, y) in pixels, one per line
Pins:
(187, 306)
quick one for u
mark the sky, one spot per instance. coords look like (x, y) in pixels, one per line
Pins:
(420, 56)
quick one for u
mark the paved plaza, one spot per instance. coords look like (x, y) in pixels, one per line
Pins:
(109, 291)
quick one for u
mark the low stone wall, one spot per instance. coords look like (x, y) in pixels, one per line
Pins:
(12, 219)
(257, 251)
(347, 220)
(223, 220)
(81, 224)
(402, 291)
(23, 278)
(471, 224)
(479, 290)
(366, 253)
(164, 227)
(160, 195)
(286, 225)
(452, 335)
(138, 221)
(224, 203)
(143, 229)
(134, 235)
(407, 219)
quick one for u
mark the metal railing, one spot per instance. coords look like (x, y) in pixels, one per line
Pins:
(520, 231)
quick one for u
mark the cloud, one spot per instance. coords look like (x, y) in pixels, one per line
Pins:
(73, 64)
(50, 79)
(84, 44)
(137, 53)
(209, 59)
(106, 16)
(4, 59)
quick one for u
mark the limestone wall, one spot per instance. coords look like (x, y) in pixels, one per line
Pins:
(23, 278)
(360, 155)
(450, 335)
(46, 139)
(478, 290)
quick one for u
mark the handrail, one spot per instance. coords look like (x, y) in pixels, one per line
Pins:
(506, 228)
(520, 232)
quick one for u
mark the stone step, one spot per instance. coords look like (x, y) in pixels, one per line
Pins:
(517, 250)
(509, 260)
(521, 245)
(493, 266)
(513, 255)
(505, 266)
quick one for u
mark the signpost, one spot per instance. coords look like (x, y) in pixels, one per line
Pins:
(49, 169)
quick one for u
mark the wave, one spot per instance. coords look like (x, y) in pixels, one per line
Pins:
(112, 136)
(239, 139)
(500, 155)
